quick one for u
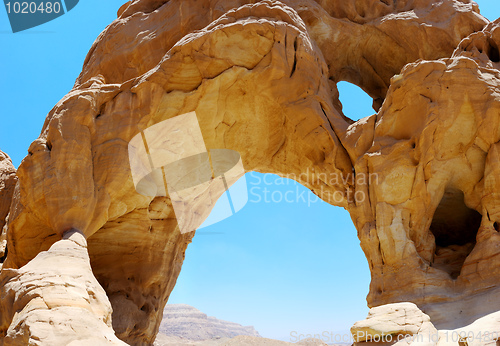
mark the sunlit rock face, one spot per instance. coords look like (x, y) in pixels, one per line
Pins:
(56, 300)
(419, 177)
(404, 324)
(8, 180)
(431, 231)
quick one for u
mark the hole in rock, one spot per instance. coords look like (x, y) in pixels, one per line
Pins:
(454, 227)
(493, 52)
(497, 226)
(4, 257)
(356, 103)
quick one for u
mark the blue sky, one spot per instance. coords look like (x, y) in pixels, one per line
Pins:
(278, 266)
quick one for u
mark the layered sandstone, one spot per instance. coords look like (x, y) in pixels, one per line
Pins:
(189, 323)
(55, 299)
(261, 78)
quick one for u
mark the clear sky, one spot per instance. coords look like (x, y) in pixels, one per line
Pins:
(278, 266)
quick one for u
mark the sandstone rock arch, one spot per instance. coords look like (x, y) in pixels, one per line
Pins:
(261, 77)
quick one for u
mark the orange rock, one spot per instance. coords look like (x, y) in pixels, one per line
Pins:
(261, 78)
(8, 181)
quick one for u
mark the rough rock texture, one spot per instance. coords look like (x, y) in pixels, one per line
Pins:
(55, 299)
(261, 78)
(8, 181)
(394, 322)
(404, 324)
(430, 231)
(187, 322)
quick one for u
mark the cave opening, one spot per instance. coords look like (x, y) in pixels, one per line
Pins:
(455, 228)
(493, 53)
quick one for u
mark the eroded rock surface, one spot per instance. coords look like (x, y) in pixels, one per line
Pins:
(391, 323)
(261, 77)
(8, 180)
(430, 231)
(404, 324)
(55, 299)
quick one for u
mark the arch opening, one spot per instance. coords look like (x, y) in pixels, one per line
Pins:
(279, 264)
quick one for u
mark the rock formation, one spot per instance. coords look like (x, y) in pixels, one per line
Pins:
(189, 323)
(56, 300)
(8, 181)
(261, 77)
(430, 230)
(394, 322)
(404, 324)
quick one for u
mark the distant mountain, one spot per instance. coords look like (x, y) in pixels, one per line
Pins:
(241, 340)
(184, 325)
(186, 322)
